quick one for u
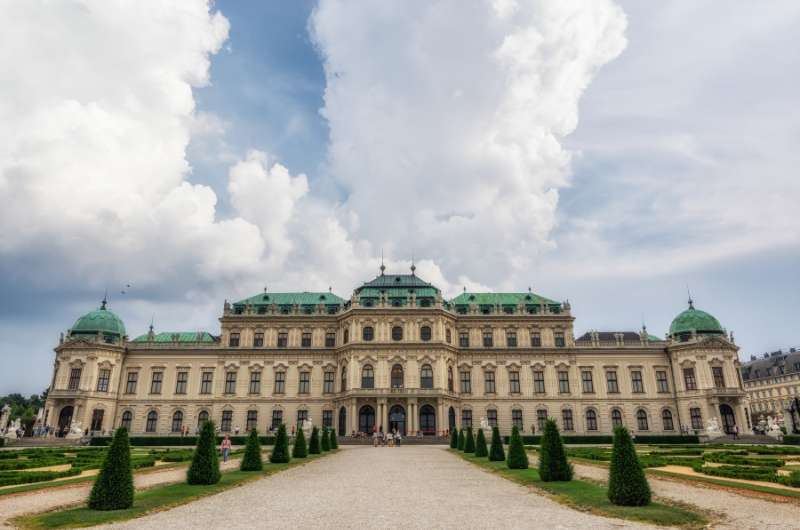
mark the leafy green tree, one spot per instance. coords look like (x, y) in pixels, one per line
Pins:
(627, 485)
(325, 443)
(300, 450)
(334, 441)
(553, 464)
(205, 463)
(251, 461)
(496, 453)
(454, 439)
(280, 452)
(460, 440)
(113, 489)
(313, 444)
(480, 445)
(517, 459)
(469, 441)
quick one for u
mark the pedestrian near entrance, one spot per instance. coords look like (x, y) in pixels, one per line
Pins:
(390, 439)
(397, 439)
(735, 432)
(225, 446)
(374, 438)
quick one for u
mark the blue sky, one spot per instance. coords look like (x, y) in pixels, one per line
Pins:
(612, 155)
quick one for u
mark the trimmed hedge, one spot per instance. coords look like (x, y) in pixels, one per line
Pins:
(334, 441)
(480, 445)
(496, 452)
(280, 453)
(627, 485)
(251, 461)
(517, 458)
(325, 443)
(113, 488)
(150, 441)
(789, 439)
(603, 439)
(300, 450)
(460, 446)
(205, 464)
(469, 441)
(454, 439)
(766, 474)
(313, 442)
(553, 464)
(13, 478)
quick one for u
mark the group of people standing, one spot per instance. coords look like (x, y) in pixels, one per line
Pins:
(390, 439)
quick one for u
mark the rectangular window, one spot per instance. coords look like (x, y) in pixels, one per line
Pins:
(102, 380)
(230, 382)
(463, 339)
(566, 418)
(330, 339)
(637, 386)
(466, 418)
(130, 385)
(489, 382)
(688, 378)
(258, 340)
(277, 419)
(327, 419)
(255, 383)
(536, 339)
(252, 420)
(587, 385)
(541, 418)
(305, 383)
(513, 382)
(305, 339)
(488, 339)
(696, 417)
(466, 382)
(661, 381)
(181, 381)
(206, 380)
(538, 382)
(560, 343)
(611, 381)
(233, 341)
(563, 382)
(74, 379)
(328, 382)
(302, 415)
(516, 419)
(719, 378)
(283, 339)
(280, 382)
(491, 415)
(155, 383)
(227, 419)
(511, 339)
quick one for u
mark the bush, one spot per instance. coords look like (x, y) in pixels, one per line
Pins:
(313, 443)
(156, 441)
(113, 489)
(325, 443)
(627, 485)
(334, 441)
(766, 474)
(251, 461)
(469, 441)
(454, 439)
(791, 439)
(793, 479)
(480, 445)
(460, 440)
(553, 465)
(300, 450)
(205, 464)
(496, 453)
(280, 452)
(517, 459)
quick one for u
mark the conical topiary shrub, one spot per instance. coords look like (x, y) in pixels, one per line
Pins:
(313, 443)
(454, 439)
(300, 450)
(496, 453)
(627, 485)
(480, 445)
(334, 441)
(325, 443)
(553, 465)
(113, 489)
(469, 441)
(460, 446)
(280, 452)
(517, 459)
(205, 464)
(251, 461)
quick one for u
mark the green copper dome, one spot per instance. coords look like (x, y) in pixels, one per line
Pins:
(695, 320)
(99, 321)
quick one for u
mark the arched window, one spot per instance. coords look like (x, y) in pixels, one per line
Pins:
(344, 378)
(450, 378)
(368, 333)
(202, 417)
(127, 419)
(397, 376)
(426, 376)
(591, 420)
(346, 336)
(616, 418)
(152, 421)
(425, 333)
(397, 333)
(367, 377)
(177, 421)
(666, 418)
(641, 420)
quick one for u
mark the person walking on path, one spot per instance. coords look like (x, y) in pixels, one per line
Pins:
(374, 438)
(225, 446)
(397, 439)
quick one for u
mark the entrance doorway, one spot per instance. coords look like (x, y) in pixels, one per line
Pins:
(451, 419)
(728, 418)
(342, 422)
(427, 420)
(397, 419)
(64, 420)
(366, 419)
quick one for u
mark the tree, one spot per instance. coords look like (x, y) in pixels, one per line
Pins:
(496, 453)
(313, 444)
(280, 452)
(454, 439)
(251, 461)
(480, 445)
(113, 489)
(300, 450)
(325, 443)
(553, 465)
(334, 441)
(469, 441)
(627, 485)
(205, 464)
(517, 459)
(460, 440)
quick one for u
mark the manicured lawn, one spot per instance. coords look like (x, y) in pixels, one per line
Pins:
(589, 496)
(722, 482)
(150, 500)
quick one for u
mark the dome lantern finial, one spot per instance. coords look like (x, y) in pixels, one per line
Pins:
(105, 300)
(691, 302)
(383, 267)
(413, 267)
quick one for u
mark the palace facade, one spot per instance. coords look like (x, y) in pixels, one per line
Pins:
(397, 354)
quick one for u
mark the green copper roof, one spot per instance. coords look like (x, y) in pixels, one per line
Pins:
(304, 298)
(99, 321)
(501, 299)
(694, 320)
(181, 336)
(419, 292)
(397, 281)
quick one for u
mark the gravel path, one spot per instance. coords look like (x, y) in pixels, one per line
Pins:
(364, 487)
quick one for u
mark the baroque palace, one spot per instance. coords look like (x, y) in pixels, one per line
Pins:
(397, 355)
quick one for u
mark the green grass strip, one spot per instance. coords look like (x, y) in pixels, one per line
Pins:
(589, 496)
(722, 482)
(151, 500)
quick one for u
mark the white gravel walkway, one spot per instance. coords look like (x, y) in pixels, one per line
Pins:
(366, 487)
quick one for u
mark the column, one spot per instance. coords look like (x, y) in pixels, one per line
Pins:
(441, 422)
(353, 418)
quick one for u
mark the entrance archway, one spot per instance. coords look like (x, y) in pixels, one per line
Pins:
(451, 419)
(65, 420)
(342, 422)
(366, 419)
(728, 418)
(427, 420)
(397, 419)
